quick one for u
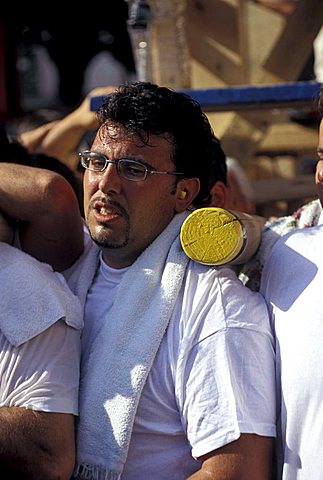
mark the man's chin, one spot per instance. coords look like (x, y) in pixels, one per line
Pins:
(103, 241)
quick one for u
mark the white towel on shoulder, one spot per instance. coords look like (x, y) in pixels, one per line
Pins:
(33, 297)
(123, 353)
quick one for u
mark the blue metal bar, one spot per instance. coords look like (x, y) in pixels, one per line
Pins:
(248, 97)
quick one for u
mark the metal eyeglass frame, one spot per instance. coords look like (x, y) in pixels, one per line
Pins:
(145, 170)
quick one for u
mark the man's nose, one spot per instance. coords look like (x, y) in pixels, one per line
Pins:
(110, 180)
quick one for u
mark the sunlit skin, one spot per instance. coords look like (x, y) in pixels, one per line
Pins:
(319, 166)
(124, 217)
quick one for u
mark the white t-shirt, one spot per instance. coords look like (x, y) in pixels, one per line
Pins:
(212, 378)
(40, 328)
(42, 373)
(292, 283)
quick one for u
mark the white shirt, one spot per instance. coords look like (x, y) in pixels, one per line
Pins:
(40, 324)
(292, 283)
(212, 379)
(42, 373)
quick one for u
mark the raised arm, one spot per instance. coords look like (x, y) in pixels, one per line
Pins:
(50, 224)
(32, 139)
(61, 141)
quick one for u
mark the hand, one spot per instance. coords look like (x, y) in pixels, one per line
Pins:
(83, 112)
(285, 7)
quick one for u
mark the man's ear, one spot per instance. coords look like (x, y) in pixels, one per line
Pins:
(319, 180)
(219, 194)
(186, 191)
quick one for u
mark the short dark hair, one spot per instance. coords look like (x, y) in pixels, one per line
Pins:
(142, 108)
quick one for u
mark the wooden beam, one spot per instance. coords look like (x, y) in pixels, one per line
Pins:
(293, 46)
(169, 54)
(275, 189)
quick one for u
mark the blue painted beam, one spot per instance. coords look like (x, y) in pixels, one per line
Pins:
(248, 97)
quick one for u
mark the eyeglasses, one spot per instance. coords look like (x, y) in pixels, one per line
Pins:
(128, 169)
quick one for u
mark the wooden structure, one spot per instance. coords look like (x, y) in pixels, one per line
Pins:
(207, 44)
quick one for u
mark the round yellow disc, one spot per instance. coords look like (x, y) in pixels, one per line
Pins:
(212, 236)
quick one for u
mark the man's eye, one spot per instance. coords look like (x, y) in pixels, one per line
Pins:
(97, 163)
(135, 170)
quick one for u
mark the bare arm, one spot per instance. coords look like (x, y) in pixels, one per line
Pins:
(62, 140)
(32, 139)
(45, 204)
(36, 445)
(249, 457)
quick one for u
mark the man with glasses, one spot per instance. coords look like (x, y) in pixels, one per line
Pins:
(177, 371)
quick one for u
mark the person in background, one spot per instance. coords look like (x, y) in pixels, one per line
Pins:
(11, 150)
(54, 144)
(291, 283)
(62, 138)
(177, 372)
(285, 7)
(306, 216)
(240, 194)
(40, 327)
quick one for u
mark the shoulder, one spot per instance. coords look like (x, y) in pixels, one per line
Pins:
(221, 299)
(221, 280)
(43, 297)
(300, 240)
(13, 256)
(18, 266)
(295, 257)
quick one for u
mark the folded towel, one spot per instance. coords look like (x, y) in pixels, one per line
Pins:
(123, 353)
(33, 297)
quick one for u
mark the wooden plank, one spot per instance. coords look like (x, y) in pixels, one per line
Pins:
(215, 20)
(287, 59)
(213, 41)
(229, 40)
(240, 137)
(275, 189)
(244, 47)
(288, 137)
(163, 44)
(262, 27)
(223, 66)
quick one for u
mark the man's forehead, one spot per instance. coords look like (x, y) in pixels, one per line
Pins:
(111, 131)
(114, 134)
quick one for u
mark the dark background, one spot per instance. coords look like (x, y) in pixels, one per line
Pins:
(71, 41)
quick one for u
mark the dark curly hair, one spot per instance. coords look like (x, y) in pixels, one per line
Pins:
(142, 108)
